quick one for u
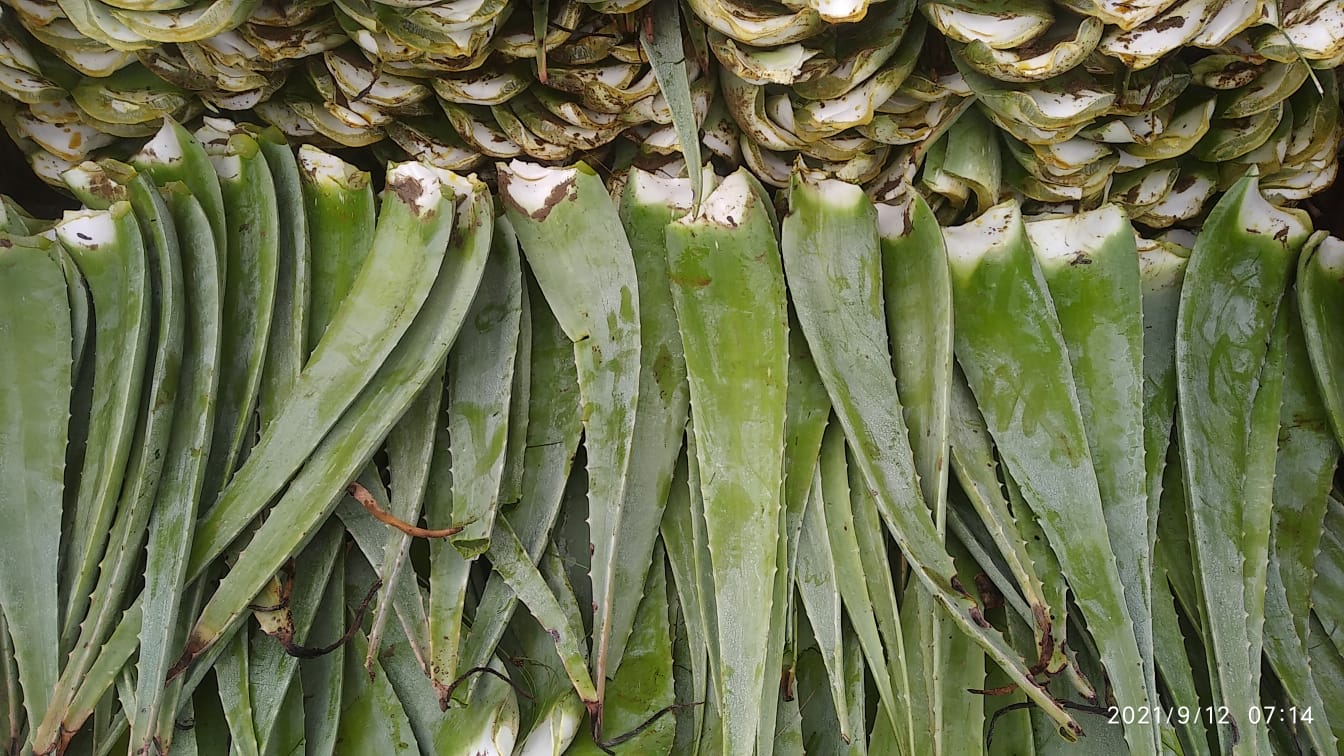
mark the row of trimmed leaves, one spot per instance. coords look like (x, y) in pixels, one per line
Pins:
(1110, 483)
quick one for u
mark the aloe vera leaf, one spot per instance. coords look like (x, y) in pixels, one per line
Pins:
(449, 571)
(817, 581)
(642, 686)
(806, 414)
(393, 285)
(403, 598)
(174, 154)
(560, 215)
(1257, 515)
(183, 476)
(287, 342)
(681, 548)
(1030, 562)
(410, 447)
(1304, 469)
(116, 270)
(251, 255)
(338, 201)
(776, 641)
(1233, 283)
(466, 494)
(728, 290)
(837, 502)
(1173, 665)
(666, 50)
(1320, 285)
(324, 676)
(1090, 264)
(1029, 401)
(510, 559)
(480, 383)
(35, 384)
(145, 462)
(830, 217)
(553, 430)
(917, 291)
(1161, 271)
(520, 402)
(372, 718)
(1054, 657)
(355, 437)
(231, 673)
(648, 203)
(878, 574)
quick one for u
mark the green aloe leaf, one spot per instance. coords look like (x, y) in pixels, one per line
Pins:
(35, 397)
(728, 289)
(1241, 262)
(830, 237)
(560, 215)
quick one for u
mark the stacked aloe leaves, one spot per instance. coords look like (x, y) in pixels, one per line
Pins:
(1155, 105)
(658, 465)
(719, 377)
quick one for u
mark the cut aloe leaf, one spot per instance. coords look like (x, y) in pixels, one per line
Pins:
(1241, 260)
(593, 288)
(252, 267)
(728, 290)
(112, 257)
(408, 250)
(479, 386)
(1091, 267)
(1034, 416)
(183, 476)
(366, 422)
(831, 236)
(35, 397)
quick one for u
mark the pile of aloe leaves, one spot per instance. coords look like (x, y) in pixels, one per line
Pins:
(571, 465)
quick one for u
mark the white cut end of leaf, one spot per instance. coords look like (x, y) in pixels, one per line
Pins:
(1063, 241)
(1258, 216)
(553, 734)
(833, 193)
(1330, 255)
(531, 187)
(652, 189)
(970, 242)
(728, 203)
(319, 164)
(893, 220)
(415, 185)
(87, 228)
(165, 147)
(229, 167)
